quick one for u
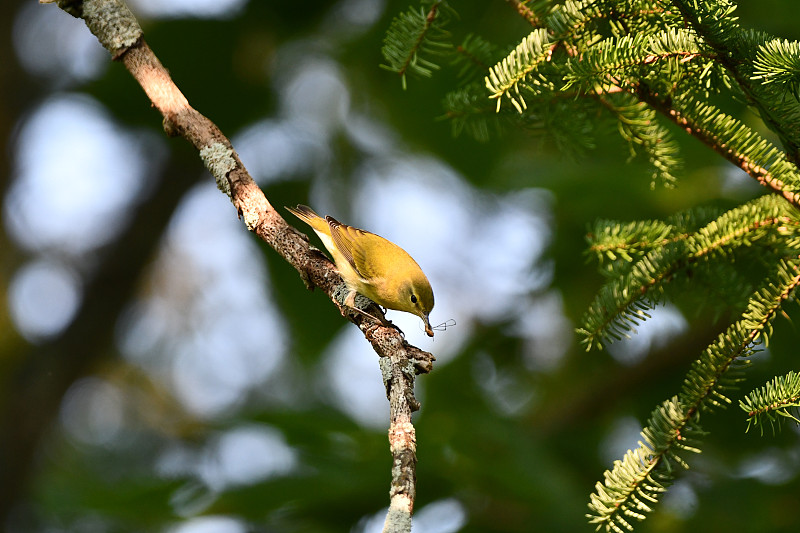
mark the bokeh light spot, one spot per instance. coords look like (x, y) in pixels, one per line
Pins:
(43, 298)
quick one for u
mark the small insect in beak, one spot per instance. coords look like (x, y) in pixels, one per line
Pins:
(428, 328)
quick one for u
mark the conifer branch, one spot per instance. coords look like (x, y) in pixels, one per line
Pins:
(636, 60)
(636, 482)
(473, 57)
(572, 21)
(776, 401)
(716, 130)
(468, 110)
(519, 66)
(626, 240)
(526, 13)
(637, 124)
(412, 37)
(615, 241)
(622, 61)
(624, 301)
(716, 24)
(778, 62)
(706, 382)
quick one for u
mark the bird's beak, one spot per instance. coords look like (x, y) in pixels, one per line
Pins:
(428, 328)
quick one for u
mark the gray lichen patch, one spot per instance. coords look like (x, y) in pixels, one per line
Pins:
(219, 160)
(112, 23)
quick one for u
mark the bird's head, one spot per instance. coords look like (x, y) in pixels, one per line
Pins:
(417, 298)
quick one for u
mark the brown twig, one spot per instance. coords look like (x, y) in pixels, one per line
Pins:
(759, 173)
(526, 13)
(429, 18)
(403, 444)
(118, 31)
(739, 68)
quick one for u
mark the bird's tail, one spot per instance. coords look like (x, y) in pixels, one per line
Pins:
(307, 215)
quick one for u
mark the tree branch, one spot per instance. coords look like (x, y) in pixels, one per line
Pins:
(759, 173)
(727, 58)
(526, 13)
(734, 63)
(402, 442)
(118, 31)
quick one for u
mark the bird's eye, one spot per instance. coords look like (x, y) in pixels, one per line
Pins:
(414, 298)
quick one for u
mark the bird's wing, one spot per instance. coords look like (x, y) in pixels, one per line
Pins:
(352, 243)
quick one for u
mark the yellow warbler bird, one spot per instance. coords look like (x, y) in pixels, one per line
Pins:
(372, 266)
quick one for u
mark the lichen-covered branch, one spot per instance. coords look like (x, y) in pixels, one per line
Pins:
(398, 376)
(118, 31)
